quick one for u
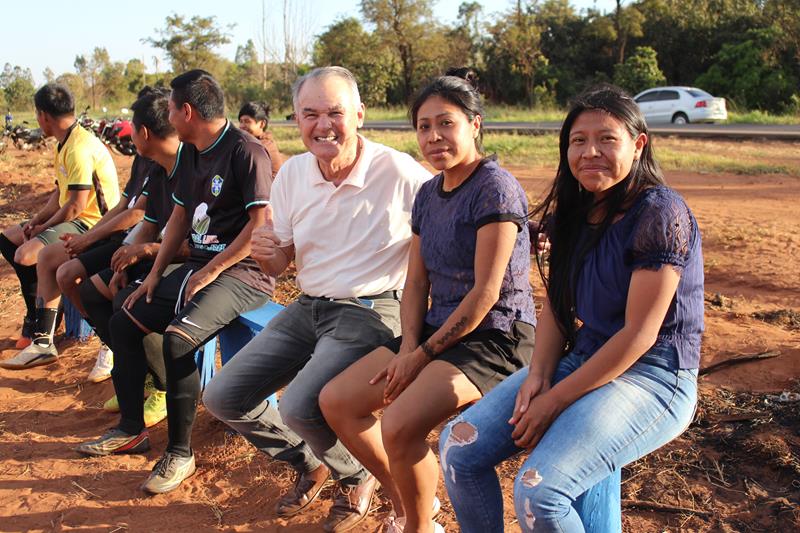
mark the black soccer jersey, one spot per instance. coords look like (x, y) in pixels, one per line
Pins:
(217, 186)
(159, 193)
(140, 175)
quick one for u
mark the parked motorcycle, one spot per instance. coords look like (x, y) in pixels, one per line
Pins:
(26, 138)
(116, 134)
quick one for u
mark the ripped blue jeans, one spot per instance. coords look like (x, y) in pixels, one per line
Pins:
(579, 457)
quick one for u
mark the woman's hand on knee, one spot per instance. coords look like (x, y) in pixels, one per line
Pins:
(399, 373)
(530, 426)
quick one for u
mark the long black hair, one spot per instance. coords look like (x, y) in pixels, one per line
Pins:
(565, 210)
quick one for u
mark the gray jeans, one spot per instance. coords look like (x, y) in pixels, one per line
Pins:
(303, 348)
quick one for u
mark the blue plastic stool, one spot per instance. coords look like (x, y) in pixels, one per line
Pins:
(75, 327)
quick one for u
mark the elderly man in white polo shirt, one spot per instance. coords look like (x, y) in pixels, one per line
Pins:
(341, 211)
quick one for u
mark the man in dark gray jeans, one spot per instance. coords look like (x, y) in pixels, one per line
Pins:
(341, 211)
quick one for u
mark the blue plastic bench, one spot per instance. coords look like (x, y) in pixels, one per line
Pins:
(233, 338)
(75, 327)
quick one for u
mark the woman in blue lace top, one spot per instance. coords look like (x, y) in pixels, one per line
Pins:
(614, 370)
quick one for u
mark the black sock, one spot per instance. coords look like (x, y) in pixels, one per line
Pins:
(154, 353)
(45, 326)
(129, 371)
(183, 391)
(26, 274)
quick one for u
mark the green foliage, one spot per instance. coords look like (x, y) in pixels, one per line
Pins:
(750, 74)
(191, 43)
(406, 27)
(347, 44)
(640, 71)
(17, 87)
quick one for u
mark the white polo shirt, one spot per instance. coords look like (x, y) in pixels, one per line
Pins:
(350, 240)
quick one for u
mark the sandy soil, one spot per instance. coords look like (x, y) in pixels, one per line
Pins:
(735, 469)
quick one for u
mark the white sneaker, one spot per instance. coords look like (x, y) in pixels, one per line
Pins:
(103, 365)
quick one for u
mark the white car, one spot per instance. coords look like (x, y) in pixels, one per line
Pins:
(680, 105)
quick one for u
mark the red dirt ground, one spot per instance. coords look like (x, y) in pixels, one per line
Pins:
(735, 469)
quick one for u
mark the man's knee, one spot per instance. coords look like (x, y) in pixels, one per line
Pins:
(69, 273)
(28, 253)
(14, 234)
(300, 411)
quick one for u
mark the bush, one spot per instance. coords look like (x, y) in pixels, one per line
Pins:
(750, 74)
(640, 71)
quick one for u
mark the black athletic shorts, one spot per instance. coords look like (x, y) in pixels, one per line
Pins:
(98, 256)
(485, 356)
(137, 271)
(218, 304)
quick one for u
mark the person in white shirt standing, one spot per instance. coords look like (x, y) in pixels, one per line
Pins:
(342, 212)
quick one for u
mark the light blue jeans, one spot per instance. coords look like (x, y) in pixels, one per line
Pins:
(570, 481)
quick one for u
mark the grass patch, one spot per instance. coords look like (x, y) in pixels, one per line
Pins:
(761, 117)
(750, 158)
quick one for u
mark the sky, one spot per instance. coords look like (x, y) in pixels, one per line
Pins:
(51, 33)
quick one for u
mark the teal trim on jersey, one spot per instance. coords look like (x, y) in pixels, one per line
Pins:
(124, 194)
(175, 199)
(257, 202)
(147, 218)
(177, 162)
(144, 193)
(221, 135)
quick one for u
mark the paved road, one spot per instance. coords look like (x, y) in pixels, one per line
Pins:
(719, 131)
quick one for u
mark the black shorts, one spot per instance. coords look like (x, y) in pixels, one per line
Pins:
(136, 271)
(215, 306)
(485, 356)
(98, 256)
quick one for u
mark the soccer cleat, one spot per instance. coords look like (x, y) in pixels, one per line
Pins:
(155, 408)
(33, 355)
(168, 473)
(116, 441)
(102, 367)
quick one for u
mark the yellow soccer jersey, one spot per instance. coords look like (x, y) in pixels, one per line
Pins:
(82, 163)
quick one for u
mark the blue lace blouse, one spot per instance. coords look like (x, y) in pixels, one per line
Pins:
(658, 230)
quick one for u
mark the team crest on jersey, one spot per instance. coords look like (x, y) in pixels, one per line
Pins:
(216, 185)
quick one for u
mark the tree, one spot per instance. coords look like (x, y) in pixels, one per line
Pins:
(405, 25)
(347, 44)
(17, 86)
(751, 74)
(75, 84)
(242, 81)
(627, 23)
(191, 43)
(640, 71)
(465, 38)
(516, 66)
(90, 70)
(135, 76)
(49, 75)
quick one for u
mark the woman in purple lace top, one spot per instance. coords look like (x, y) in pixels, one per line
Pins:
(471, 254)
(625, 263)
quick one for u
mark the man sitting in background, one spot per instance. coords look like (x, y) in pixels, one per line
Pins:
(86, 183)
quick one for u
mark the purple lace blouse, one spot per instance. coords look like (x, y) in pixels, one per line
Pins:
(658, 229)
(448, 223)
